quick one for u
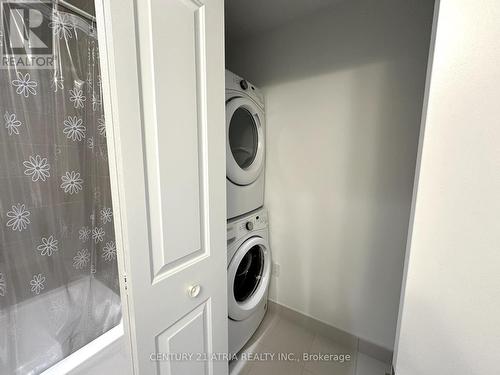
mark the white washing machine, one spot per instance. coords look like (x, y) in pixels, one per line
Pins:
(245, 146)
(248, 276)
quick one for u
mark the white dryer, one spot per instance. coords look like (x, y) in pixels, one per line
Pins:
(245, 146)
(248, 276)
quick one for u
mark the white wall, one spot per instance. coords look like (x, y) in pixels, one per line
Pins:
(450, 320)
(344, 92)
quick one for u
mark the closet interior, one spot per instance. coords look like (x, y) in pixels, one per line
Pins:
(343, 86)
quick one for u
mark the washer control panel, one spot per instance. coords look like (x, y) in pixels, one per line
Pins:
(241, 227)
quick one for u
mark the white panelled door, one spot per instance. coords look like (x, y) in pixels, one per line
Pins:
(163, 81)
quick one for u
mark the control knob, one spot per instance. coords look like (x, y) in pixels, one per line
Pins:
(244, 84)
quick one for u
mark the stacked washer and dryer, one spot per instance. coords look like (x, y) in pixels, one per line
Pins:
(248, 251)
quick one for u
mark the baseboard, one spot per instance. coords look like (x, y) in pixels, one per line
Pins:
(366, 347)
(375, 351)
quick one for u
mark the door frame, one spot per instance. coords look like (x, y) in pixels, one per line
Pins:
(108, 67)
(421, 136)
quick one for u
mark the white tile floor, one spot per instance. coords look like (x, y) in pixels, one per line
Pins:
(279, 333)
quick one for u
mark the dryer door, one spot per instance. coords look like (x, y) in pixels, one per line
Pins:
(244, 141)
(248, 277)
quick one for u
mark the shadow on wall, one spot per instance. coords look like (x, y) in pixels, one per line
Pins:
(349, 33)
(344, 90)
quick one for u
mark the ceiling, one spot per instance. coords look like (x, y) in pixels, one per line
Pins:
(247, 18)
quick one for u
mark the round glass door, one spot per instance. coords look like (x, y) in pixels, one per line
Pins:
(243, 137)
(248, 274)
(244, 141)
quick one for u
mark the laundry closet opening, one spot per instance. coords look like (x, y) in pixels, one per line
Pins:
(342, 83)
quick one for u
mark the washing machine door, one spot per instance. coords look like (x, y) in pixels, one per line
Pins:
(248, 277)
(244, 141)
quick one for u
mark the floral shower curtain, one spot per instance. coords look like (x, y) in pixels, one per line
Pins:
(58, 273)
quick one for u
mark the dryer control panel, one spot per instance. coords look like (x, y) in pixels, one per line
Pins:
(237, 83)
(240, 227)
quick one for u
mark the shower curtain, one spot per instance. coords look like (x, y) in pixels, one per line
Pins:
(59, 285)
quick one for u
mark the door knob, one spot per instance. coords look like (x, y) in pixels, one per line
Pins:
(194, 290)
